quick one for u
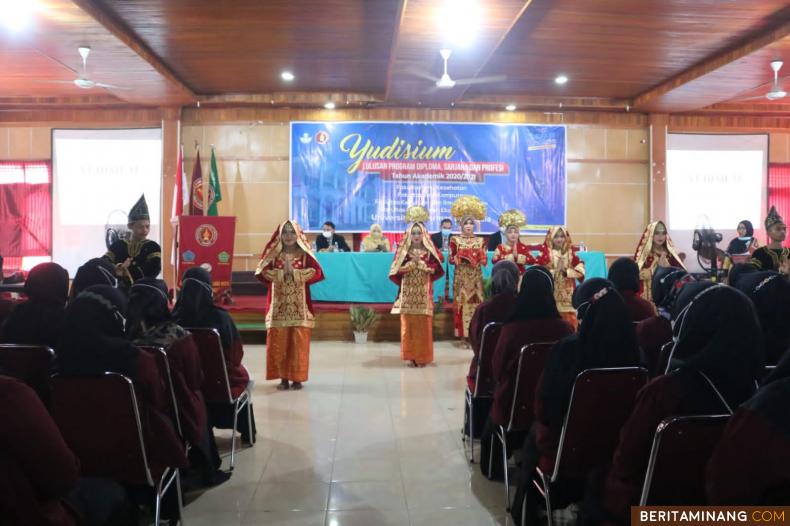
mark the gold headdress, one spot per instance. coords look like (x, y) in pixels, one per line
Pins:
(417, 214)
(468, 206)
(513, 217)
(773, 218)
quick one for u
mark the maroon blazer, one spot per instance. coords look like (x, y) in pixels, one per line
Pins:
(37, 468)
(652, 333)
(499, 308)
(638, 307)
(513, 337)
(680, 393)
(187, 374)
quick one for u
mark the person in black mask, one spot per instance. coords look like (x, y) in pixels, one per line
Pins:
(761, 428)
(652, 333)
(605, 339)
(770, 293)
(714, 366)
(39, 320)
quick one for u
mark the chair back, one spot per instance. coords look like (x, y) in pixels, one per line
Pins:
(531, 362)
(216, 385)
(681, 449)
(663, 358)
(30, 364)
(601, 402)
(163, 364)
(100, 421)
(484, 378)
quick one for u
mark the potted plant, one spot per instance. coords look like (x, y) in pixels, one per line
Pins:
(362, 319)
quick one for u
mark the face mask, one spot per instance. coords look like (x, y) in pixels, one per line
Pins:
(327, 235)
(446, 232)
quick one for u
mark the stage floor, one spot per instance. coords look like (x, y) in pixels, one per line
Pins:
(333, 321)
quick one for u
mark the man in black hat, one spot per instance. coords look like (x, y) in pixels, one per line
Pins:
(773, 256)
(137, 257)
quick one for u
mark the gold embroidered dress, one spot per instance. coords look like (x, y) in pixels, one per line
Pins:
(289, 311)
(469, 256)
(647, 257)
(414, 270)
(566, 267)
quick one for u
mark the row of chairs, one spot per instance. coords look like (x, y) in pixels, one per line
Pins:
(601, 402)
(99, 416)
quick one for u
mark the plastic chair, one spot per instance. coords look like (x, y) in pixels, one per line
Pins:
(216, 385)
(100, 421)
(600, 404)
(681, 449)
(484, 382)
(30, 364)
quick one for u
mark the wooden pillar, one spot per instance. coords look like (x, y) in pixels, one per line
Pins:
(171, 138)
(658, 166)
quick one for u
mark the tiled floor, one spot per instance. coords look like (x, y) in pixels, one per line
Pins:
(368, 442)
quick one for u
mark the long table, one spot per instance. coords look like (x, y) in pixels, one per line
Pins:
(362, 277)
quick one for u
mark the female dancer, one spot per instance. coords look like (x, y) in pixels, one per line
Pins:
(655, 250)
(468, 254)
(288, 267)
(416, 266)
(511, 248)
(566, 268)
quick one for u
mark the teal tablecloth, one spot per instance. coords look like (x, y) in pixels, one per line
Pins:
(362, 277)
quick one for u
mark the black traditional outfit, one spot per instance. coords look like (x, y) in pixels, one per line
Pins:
(146, 255)
(767, 258)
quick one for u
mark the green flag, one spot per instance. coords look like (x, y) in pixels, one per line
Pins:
(214, 193)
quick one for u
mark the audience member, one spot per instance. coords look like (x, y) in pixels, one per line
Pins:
(652, 333)
(737, 271)
(751, 464)
(535, 319)
(39, 474)
(716, 361)
(441, 239)
(770, 294)
(196, 308)
(624, 274)
(504, 283)
(39, 320)
(96, 271)
(150, 324)
(605, 339)
(329, 241)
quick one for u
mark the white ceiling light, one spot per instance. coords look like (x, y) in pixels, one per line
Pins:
(561, 79)
(510, 107)
(287, 76)
(459, 21)
(16, 15)
(329, 105)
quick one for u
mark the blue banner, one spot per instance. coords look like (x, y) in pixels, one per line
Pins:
(359, 173)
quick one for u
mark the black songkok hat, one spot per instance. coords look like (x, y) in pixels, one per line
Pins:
(139, 211)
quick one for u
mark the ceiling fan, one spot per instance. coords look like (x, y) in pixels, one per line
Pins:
(83, 81)
(776, 92)
(446, 82)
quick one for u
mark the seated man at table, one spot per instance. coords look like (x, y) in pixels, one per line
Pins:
(328, 241)
(441, 239)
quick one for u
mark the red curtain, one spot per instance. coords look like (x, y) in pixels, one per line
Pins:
(25, 211)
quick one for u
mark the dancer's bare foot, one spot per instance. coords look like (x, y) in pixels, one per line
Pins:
(283, 386)
(296, 386)
(413, 364)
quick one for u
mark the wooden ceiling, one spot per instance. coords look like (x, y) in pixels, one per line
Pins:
(646, 56)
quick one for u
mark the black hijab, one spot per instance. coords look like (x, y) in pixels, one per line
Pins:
(773, 397)
(740, 245)
(717, 333)
(536, 297)
(666, 285)
(770, 293)
(624, 274)
(195, 306)
(738, 271)
(148, 304)
(96, 271)
(39, 320)
(606, 338)
(93, 336)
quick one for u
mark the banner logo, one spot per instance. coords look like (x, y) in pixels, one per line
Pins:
(322, 137)
(197, 194)
(206, 235)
